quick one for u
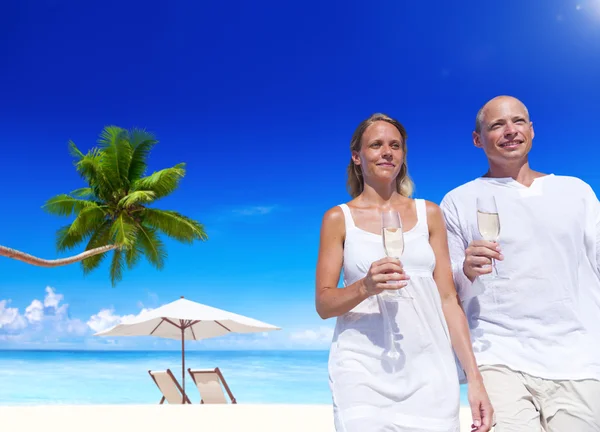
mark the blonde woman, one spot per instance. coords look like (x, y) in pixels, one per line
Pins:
(418, 390)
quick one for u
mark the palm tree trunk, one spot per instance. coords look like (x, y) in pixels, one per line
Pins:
(30, 259)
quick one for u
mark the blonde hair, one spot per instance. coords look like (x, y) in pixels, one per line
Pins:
(355, 181)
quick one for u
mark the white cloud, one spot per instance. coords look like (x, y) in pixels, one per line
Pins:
(52, 299)
(255, 210)
(37, 311)
(313, 336)
(75, 326)
(34, 312)
(287, 339)
(103, 320)
(10, 319)
(45, 320)
(106, 319)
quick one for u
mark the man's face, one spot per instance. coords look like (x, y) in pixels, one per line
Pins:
(506, 132)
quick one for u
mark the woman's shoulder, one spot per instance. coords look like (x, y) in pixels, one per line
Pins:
(432, 208)
(336, 212)
(334, 217)
(334, 224)
(434, 215)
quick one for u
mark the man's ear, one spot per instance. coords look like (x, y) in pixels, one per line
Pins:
(477, 140)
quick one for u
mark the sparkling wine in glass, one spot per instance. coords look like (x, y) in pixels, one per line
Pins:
(488, 223)
(393, 244)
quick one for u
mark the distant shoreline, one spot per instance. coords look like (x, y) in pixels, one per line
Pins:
(90, 377)
(187, 350)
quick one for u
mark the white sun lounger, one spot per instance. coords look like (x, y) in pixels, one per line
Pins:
(210, 383)
(169, 387)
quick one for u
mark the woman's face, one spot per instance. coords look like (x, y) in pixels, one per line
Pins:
(381, 154)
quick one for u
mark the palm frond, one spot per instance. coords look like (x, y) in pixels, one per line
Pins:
(86, 192)
(117, 265)
(137, 197)
(162, 182)
(123, 231)
(174, 225)
(89, 168)
(101, 237)
(74, 151)
(85, 225)
(116, 156)
(132, 256)
(151, 246)
(65, 205)
(141, 142)
(88, 219)
(66, 240)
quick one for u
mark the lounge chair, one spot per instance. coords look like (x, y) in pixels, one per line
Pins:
(210, 383)
(169, 387)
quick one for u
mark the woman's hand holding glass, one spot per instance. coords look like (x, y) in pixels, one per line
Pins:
(385, 275)
(381, 273)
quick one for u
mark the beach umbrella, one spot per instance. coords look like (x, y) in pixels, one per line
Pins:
(187, 320)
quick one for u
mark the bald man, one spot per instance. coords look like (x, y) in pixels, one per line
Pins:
(535, 326)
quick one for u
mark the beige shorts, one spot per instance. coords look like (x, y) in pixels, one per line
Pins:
(523, 403)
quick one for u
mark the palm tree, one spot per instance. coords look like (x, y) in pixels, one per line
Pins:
(112, 213)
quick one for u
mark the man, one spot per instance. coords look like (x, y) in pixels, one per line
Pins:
(535, 329)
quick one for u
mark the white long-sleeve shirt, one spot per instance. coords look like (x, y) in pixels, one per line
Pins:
(544, 319)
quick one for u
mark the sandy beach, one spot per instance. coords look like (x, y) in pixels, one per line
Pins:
(160, 418)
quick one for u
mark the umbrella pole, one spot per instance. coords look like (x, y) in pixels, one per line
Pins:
(183, 363)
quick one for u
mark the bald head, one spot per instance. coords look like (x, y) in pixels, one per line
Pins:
(492, 102)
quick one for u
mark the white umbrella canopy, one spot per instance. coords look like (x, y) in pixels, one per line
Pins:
(187, 320)
(197, 321)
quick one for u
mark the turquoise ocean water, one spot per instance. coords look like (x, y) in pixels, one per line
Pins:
(121, 377)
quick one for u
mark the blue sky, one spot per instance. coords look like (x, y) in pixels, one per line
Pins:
(260, 101)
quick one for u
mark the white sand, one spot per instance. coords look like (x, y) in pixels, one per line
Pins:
(175, 418)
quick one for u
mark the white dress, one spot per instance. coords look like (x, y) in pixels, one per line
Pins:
(419, 391)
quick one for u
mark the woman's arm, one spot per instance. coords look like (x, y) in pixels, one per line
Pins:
(456, 319)
(332, 301)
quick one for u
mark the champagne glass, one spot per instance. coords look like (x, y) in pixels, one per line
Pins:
(393, 244)
(488, 223)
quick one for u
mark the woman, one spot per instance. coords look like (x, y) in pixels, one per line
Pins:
(419, 391)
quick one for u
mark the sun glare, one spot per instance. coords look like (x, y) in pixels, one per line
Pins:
(590, 6)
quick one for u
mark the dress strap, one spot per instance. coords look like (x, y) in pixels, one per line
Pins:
(347, 216)
(422, 215)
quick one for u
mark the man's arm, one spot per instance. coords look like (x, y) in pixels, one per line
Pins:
(595, 217)
(458, 327)
(456, 245)
(592, 225)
